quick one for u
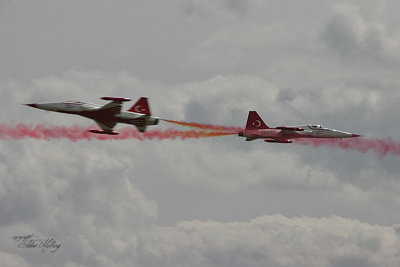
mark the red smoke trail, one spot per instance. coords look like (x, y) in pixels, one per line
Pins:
(203, 126)
(75, 133)
(363, 145)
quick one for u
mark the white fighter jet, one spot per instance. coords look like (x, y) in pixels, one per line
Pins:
(257, 129)
(106, 116)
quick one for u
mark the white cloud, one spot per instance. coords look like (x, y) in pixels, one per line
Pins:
(74, 193)
(225, 170)
(272, 240)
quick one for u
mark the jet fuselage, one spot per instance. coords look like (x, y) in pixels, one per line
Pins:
(106, 116)
(310, 131)
(257, 129)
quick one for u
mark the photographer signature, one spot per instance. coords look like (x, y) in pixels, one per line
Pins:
(32, 241)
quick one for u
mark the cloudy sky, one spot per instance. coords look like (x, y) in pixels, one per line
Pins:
(202, 202)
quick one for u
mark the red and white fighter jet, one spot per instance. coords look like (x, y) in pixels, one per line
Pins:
(257, 129)
(106, 116)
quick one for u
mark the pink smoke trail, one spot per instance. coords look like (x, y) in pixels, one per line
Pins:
(203, 126)
(76, 133)
(363, 145)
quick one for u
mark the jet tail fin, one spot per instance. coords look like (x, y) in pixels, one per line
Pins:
(254, 122)
(141, 107)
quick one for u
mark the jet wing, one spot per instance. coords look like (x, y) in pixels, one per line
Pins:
(115, 105)
(251, 138)
(106, 126)
(286, 128)
(112, 107)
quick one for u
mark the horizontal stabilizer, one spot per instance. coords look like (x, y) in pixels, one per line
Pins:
(290, 128)
(103, 132)
(141, 128)
(139, 121)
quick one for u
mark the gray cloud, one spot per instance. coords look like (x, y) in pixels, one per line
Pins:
(221, 7)
(202, 202)
(349, 33)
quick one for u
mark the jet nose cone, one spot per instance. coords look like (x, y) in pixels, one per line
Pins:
(355, 135)
(31, 105)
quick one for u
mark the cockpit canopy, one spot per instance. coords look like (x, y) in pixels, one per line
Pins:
(80, 104)
(315, 126)
(75, 102)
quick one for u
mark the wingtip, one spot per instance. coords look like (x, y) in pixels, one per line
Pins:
(355, 135)
(118, 99)
(103, 132)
